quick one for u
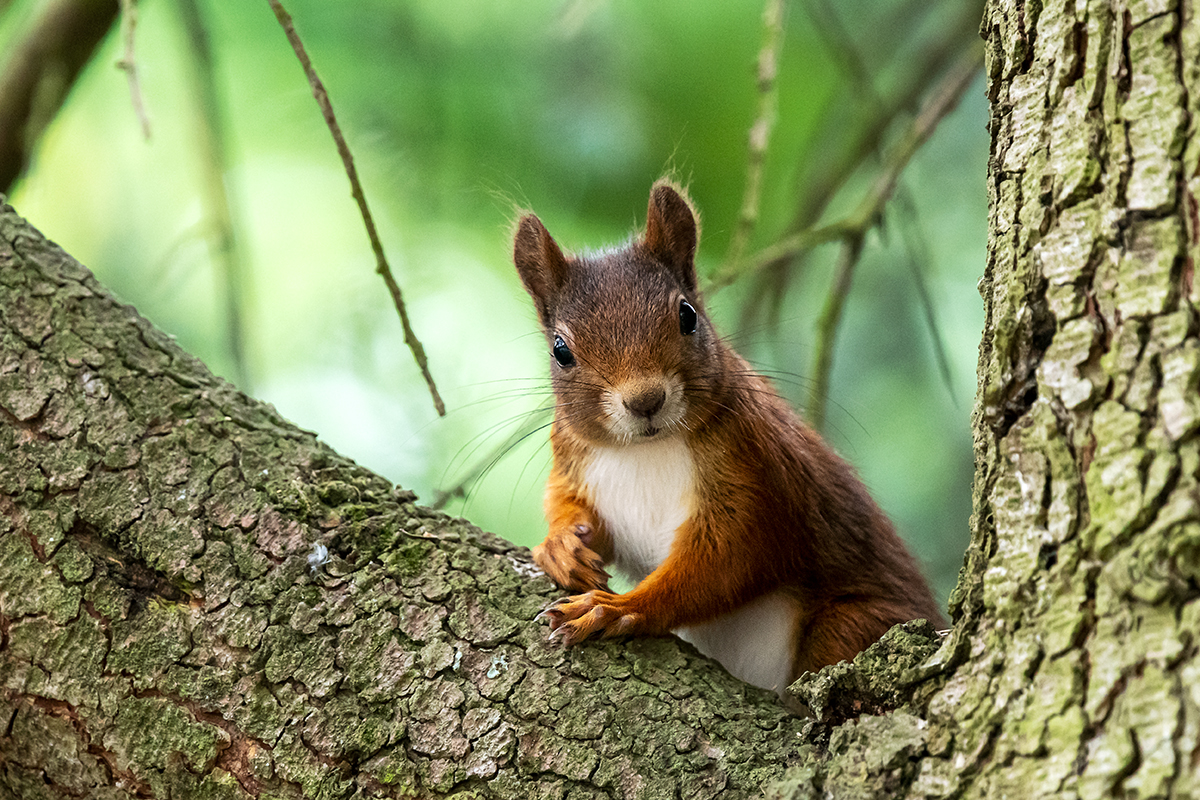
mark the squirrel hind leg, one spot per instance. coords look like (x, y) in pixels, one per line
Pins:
(841, 630)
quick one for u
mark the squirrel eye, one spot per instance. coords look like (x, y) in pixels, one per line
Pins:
(562, 354)
(687, 318)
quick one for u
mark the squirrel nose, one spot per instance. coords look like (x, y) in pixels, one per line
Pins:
(646, 402)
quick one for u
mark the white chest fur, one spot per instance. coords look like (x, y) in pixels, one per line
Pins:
(644, 492)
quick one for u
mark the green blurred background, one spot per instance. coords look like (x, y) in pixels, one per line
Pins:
(459, 113)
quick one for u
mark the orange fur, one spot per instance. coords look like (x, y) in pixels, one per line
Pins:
(771, 508)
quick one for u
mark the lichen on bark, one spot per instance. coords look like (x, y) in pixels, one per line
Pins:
(1084, 488)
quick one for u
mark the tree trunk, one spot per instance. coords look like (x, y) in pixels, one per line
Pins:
(198, 599)
(1072, 669)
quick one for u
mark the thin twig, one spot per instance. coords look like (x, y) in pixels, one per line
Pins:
(760, 132)
(128, 63)
(918, 254)
(855, 225)
(848, 144)
(944, 98)
(830, 171)
(214, 150)
(782, 250)
(356, 190)
(827, 327)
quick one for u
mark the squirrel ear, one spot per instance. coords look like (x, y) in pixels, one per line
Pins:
(540, 263)
(671, 232)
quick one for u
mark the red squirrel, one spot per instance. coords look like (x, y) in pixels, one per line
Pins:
(678, 464)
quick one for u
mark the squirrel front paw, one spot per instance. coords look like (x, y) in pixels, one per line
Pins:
(574, 619)
(567, 559)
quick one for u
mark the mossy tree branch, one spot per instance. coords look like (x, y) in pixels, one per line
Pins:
(197, 598)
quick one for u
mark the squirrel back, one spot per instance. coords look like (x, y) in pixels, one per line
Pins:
(680, 465)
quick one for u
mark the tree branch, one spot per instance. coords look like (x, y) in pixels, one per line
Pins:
(849, 139)
(40, 71)
(944, 98)
(128, 63)
(195, 593)
(827, 327)
(853, 229)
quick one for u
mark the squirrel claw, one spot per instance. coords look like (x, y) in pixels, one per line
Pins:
(594, 614)
(553, 613)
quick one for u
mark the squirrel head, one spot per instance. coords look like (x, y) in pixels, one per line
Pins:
(633, 355)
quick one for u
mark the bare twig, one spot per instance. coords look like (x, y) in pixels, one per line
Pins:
(849, 138)
(943, 100)
(381, 263)
(918, 255)
(760, 132)
(831, 170)
(210, 141)
(782, 250)
(128, 64)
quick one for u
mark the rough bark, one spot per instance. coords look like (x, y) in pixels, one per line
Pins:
(1072, 669)
(1087, 549)
(198, 599)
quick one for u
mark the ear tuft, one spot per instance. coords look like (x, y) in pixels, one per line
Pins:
(540, 263)
(672, 232)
